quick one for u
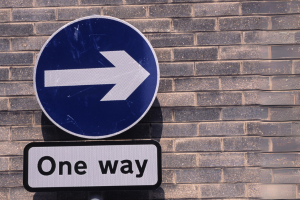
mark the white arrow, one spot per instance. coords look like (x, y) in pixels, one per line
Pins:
(127, 75)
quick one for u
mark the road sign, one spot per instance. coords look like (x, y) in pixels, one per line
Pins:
(96, 77)
(89, 166)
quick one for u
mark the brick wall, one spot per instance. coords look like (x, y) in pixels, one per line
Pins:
(227, 113)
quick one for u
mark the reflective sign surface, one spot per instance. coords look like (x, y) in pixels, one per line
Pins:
(92, 165)
(96, 77)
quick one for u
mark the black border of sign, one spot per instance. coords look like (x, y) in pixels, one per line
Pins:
(96, 143)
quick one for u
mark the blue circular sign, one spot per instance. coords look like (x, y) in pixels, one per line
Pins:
(96, 77)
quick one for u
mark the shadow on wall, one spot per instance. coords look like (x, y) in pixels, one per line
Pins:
(142, 130)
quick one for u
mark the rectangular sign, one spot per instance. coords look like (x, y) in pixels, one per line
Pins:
(54, 166)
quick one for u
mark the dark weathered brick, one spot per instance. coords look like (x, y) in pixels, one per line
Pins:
(242, 83)
(163, 54)
(52, 133)
(47, 28)
(267, 67)
(286, 175)
(254, 159)
(171, 40)
(270, 7)
(217, 68)
(74, 13)
(184, 25)
(16, 162)
(4, 192)
(221, 128)
(297, 97)
(296, 64)
(176, 69)
(145, 1)
(219, 98)
(254, 190)
(179, 10)
(16, 58)
(196, 53)
(168, 176)
(244, 52)
(280, 160)
(17, 3)
(152, 25)
(158, 115)
(125, 11)
(180, 191)
(4, 15)
(269, 98)
(4, 164)
(2, 89)
(252, 98)
(16, 29)
(101, 2)
(29, 43)
(11, 179)
(269, 37)
(198, 144)
(285, 82)
(216, 9)
(244, 113)
(285, 51)
(4, 74)
(224, 159)
(21, 88)
(269, 129)
(201, 175)
(196, 114)
(295, 128)
(165, 85)
(32, 133)
(15, 118)
(4, 104)
(285, 22)
(247, 175)
(244, 23)
(175, 99)
(12, 148)
(4, 133)
(167, 145)
(242, 144)
(20, 193)
(218, 38)
(178, 160)
(223, 190)
(56, 3)
(41, 119)
(276, 98)
(21, 73)
(33, 14)
(177, 1)
(174, 130)
(27, 103)
(265, 145)
(196, 84)
(286, 144)
(4, 44)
